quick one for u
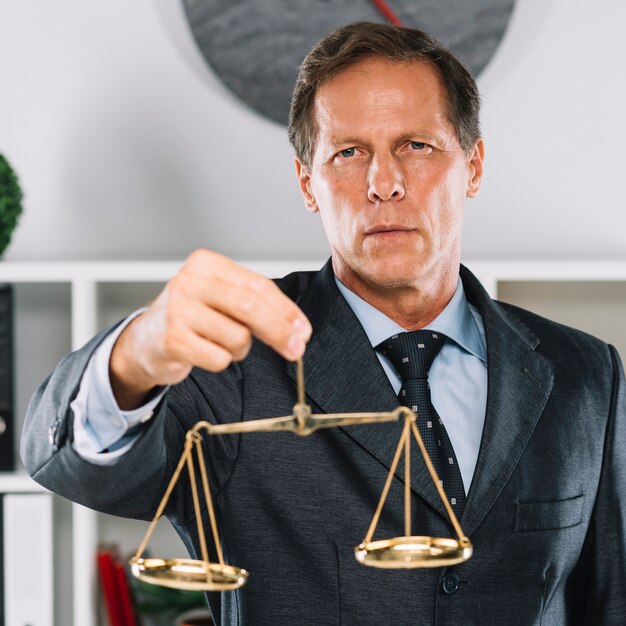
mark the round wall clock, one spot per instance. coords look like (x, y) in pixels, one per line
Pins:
(256, 46)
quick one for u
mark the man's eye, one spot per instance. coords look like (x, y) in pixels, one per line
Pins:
(418, 145)
(347, 152)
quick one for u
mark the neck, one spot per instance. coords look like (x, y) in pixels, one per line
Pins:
(411, 306)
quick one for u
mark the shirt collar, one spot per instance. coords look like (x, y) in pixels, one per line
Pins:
(456, 321)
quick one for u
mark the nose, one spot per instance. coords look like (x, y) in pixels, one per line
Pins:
(385, 180)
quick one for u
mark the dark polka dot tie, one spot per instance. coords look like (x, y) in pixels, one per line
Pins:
(412, 354)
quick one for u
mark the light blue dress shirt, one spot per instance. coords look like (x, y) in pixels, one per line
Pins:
(458, 382)
(457, 377)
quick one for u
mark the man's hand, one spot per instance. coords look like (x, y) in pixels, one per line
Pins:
(205, 316)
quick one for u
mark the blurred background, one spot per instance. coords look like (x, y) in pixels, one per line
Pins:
(128, 146)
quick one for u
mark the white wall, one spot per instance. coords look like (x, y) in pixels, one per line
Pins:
(127, 146)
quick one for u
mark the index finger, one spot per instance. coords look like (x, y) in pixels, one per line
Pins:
(258, 303)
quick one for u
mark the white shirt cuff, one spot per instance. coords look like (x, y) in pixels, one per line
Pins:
(101, 428)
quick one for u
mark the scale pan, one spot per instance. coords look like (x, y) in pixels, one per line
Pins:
(413, 552)
(188, 574)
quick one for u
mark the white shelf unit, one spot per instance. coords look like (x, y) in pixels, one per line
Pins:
(19, 482)
(85, 284)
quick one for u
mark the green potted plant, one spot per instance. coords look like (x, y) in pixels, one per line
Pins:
(10, 203)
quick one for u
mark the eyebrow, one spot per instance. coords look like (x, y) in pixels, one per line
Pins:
(353, 139)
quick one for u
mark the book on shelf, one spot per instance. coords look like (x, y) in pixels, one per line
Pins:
(27, 563)
(7, 434)
(1, 563)
(115, 589)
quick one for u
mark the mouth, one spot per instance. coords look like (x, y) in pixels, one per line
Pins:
(388, 230)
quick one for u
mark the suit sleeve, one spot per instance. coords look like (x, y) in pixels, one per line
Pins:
(605, 547)
(134, 485)
(127, 488)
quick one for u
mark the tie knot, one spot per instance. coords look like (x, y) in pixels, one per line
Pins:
(412, 353)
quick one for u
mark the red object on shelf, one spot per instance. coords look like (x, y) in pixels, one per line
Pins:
(126, 603)
(115, 589)
(108, 581)
(387, 12)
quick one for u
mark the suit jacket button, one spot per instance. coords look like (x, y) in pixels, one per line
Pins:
(450, 583)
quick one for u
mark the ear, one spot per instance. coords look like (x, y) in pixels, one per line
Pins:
(304, 178)
(475, 169)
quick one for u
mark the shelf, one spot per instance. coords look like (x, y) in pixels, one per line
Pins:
(550, 270)
(125, 271)
(19, 483)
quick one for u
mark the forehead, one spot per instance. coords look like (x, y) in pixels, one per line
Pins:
(380, 92)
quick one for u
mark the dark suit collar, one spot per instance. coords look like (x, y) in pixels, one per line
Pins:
(490, 310)
(342, 372)
(343, 375)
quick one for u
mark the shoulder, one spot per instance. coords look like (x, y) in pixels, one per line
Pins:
(561, 342)
(558, 342)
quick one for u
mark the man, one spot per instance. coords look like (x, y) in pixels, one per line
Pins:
(385, 127)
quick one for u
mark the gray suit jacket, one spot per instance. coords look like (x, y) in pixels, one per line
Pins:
(545, 512)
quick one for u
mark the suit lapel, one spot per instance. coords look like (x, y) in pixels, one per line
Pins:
(343, 375)
(519, 383)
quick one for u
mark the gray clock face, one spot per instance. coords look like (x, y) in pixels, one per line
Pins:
(256, 46)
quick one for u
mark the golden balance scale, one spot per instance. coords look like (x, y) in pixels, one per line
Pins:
(397, 552)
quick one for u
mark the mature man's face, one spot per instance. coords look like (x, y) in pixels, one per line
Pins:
(388, 175)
